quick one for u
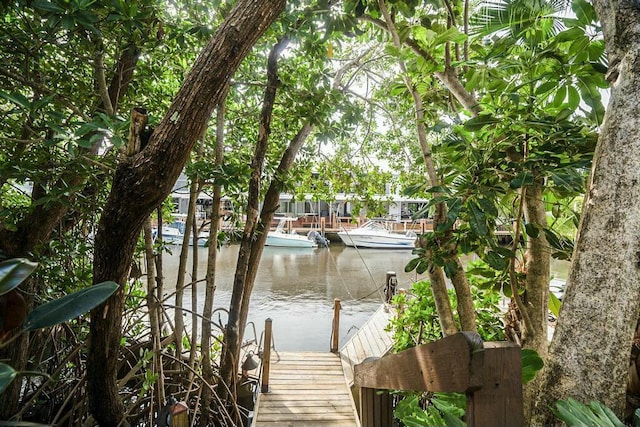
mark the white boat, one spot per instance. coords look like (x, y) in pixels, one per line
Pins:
(282, 238)
(173, 234)
(376, 234)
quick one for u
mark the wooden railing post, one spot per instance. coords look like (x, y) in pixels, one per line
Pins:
(489, 373)
(499, 401)
(266, 355)
(376, 409)
(335, 330)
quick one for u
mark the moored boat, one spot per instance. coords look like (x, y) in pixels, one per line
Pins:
(173, 234)
(375, 234)
(282, 238)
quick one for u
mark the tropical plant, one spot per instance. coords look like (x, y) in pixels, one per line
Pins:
(574, 414)
(15, 320)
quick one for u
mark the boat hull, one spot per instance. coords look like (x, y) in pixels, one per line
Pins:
(288, 240)
(377, 241)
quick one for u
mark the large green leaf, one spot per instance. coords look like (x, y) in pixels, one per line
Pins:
(7, 374)
(531, 363)
(554, 304)
(477, 220)
(522, 180)
(13, 272)
(478, 122)
(69, 306)
(575, 413)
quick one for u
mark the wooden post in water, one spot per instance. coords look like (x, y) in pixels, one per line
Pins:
(266, 355)
(335, 331)
(323, 224)
(390, 287)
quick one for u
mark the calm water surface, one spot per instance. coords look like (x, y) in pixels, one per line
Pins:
(296, 287)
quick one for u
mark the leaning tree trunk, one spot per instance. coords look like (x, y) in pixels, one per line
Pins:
(141, 182)
(233, 334)
(589, 355)
(206, 413)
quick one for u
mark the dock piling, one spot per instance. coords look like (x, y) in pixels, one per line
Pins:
(335, 332)
(266, 355)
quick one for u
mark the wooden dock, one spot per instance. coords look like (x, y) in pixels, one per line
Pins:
(314, 389)
(371, 340)
(306, 389)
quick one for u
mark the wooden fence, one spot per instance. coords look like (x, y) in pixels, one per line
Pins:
(490, 373)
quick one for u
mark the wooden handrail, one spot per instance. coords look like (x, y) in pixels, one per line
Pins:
(489, 373)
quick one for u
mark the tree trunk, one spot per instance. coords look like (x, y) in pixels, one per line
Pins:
(538, 268)
(589, 355)
(233, 333)
(143, 181)
(210, 287)
(269, 207)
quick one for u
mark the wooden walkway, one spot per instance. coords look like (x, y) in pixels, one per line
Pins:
(306, 390)
(312, 389)
(371, 340)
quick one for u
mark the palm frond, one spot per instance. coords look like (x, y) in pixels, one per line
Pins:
(519, 19)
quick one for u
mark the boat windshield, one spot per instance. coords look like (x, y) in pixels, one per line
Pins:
(375, 225)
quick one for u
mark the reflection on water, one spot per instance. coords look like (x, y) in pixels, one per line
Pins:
(296, 288)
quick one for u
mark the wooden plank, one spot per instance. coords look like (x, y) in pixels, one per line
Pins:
(321, 403)
(289, 397)
(306, 389)
(302, 423)
(371, 340)
(499, 402)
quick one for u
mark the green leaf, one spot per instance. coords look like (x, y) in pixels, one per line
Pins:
(570, 35)
(554, 304)
(477, 220)
(488, 207)
(531, 363)
(584, 11)
(579, 45)
(13, 272)
(69, 306)
(411, 265)
(532, 230)
(546, 87)
(450, 35)
(522, 180)
(7, 374)
(478, 122)
(495, 261)
(17, 98)
(47, 6)
(559, 97)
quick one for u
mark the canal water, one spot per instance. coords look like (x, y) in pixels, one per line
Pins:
(296, 288)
